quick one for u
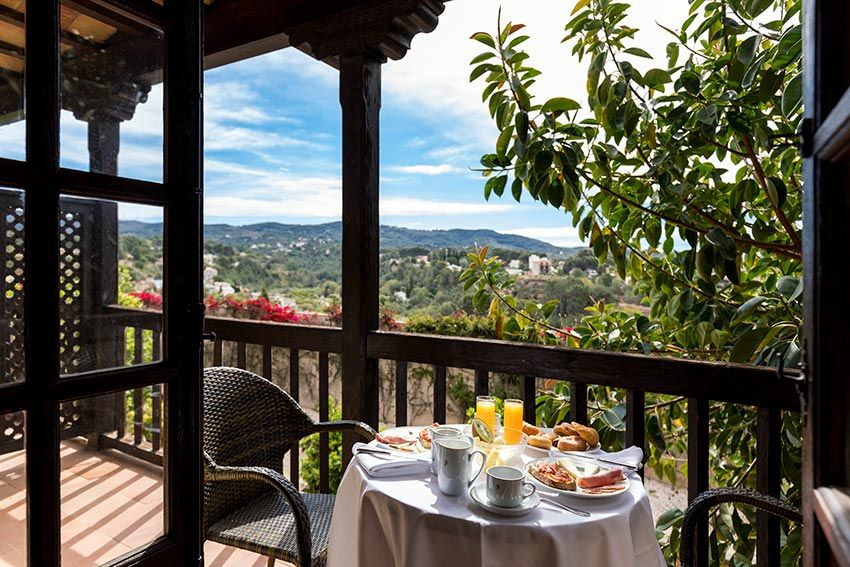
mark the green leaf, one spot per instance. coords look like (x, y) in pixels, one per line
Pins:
(691, 82)
(746, 344)
(522, 126)
(787, 286)
(637, 51)
(756, 7)
(705, 262)
(722, 242)
(516, 189)
(789, 47)
(655, 77)
(484, 38)
(478, 71)
(748, 307)
(669, 519)
(543, 161)
(560, 104)
(579, 5)
(503, 141)
(792, 96)
(556, 194)
(747, 49)
(482, 57)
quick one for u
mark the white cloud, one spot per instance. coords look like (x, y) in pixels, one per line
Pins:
(559, 236)
(321, 204)
(425, 169)
(234, 101)
(432, 81)
(237, 138)
(404, 207)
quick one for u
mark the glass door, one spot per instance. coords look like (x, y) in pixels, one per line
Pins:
(826, 141)
(100, 353)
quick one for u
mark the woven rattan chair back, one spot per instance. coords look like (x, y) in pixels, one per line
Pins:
(248, 421)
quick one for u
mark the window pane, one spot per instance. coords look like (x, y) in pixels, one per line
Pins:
(12, 302)
(112, 117)
(112, 502)
(12, 130)
(110, 284)
(13, 491)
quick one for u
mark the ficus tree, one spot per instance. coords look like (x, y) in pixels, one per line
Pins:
(683, 170)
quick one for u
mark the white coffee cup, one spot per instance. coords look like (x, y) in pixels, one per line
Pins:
(506, 486)
(454, 474)
(440, 433)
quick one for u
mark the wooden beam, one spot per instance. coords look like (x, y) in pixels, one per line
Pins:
(183, 246)
(41, 333)
(698, 469)
(360, 98)
(325, 30)
(736, 383)
(104, 143)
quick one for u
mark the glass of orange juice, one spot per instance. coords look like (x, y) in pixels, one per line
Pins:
(485, 410)
(513, 421)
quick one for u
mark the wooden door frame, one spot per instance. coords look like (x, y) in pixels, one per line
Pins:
(826, 198)
(180, 196)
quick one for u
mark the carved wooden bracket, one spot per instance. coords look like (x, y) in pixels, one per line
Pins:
(383, 28)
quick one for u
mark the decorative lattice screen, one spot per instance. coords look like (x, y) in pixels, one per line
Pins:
(81, 270)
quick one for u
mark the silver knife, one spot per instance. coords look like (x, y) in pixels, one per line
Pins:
(576, 511)
(605, 461)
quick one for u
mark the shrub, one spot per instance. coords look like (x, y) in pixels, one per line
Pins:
(310, 447)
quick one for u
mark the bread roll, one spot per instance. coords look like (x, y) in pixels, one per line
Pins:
(529, 429)
(572, 443)
(540, 441)
(590, 435)
(564, 430)
(553, 437)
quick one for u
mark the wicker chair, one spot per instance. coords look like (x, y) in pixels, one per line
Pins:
(249, 425)
(701, 505)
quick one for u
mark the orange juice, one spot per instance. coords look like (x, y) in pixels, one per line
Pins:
(513, 421)
(485, 410)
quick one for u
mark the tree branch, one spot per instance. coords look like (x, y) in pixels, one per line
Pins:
(777, 210)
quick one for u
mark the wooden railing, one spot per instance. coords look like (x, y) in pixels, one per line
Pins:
(699, 382)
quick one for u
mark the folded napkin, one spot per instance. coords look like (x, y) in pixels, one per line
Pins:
(391, 465)
(629, 456)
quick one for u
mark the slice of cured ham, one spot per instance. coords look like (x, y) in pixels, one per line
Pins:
(601, 479)
(393, 439)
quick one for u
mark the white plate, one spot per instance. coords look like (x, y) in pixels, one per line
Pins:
(579, 492)
(545, 452)
(479, 494)
(409, 432)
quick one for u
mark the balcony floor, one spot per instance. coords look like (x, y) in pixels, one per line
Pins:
(111, 504)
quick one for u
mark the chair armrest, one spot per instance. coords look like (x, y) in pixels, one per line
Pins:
(701, 505)
(359, 427)
(216, 473)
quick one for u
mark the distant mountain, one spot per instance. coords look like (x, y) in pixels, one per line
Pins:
(273, 234)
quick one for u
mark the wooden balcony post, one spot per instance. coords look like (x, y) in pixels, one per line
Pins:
(104, 142)
(360, 98)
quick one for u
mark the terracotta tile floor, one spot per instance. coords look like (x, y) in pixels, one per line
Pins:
(111, 504)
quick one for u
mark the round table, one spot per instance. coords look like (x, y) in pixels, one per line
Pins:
(407, 522)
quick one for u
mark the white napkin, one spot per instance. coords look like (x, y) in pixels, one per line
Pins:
(386, 466)
(629, 456)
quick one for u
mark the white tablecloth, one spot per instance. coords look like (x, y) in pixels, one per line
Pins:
(408, 522)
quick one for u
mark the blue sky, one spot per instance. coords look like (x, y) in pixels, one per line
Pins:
(272, 129)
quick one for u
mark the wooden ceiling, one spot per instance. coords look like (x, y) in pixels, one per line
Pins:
(234, 30)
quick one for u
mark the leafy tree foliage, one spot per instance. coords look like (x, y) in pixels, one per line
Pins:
(677, 170)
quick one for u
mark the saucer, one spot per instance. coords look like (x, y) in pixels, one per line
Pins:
(479, 494)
